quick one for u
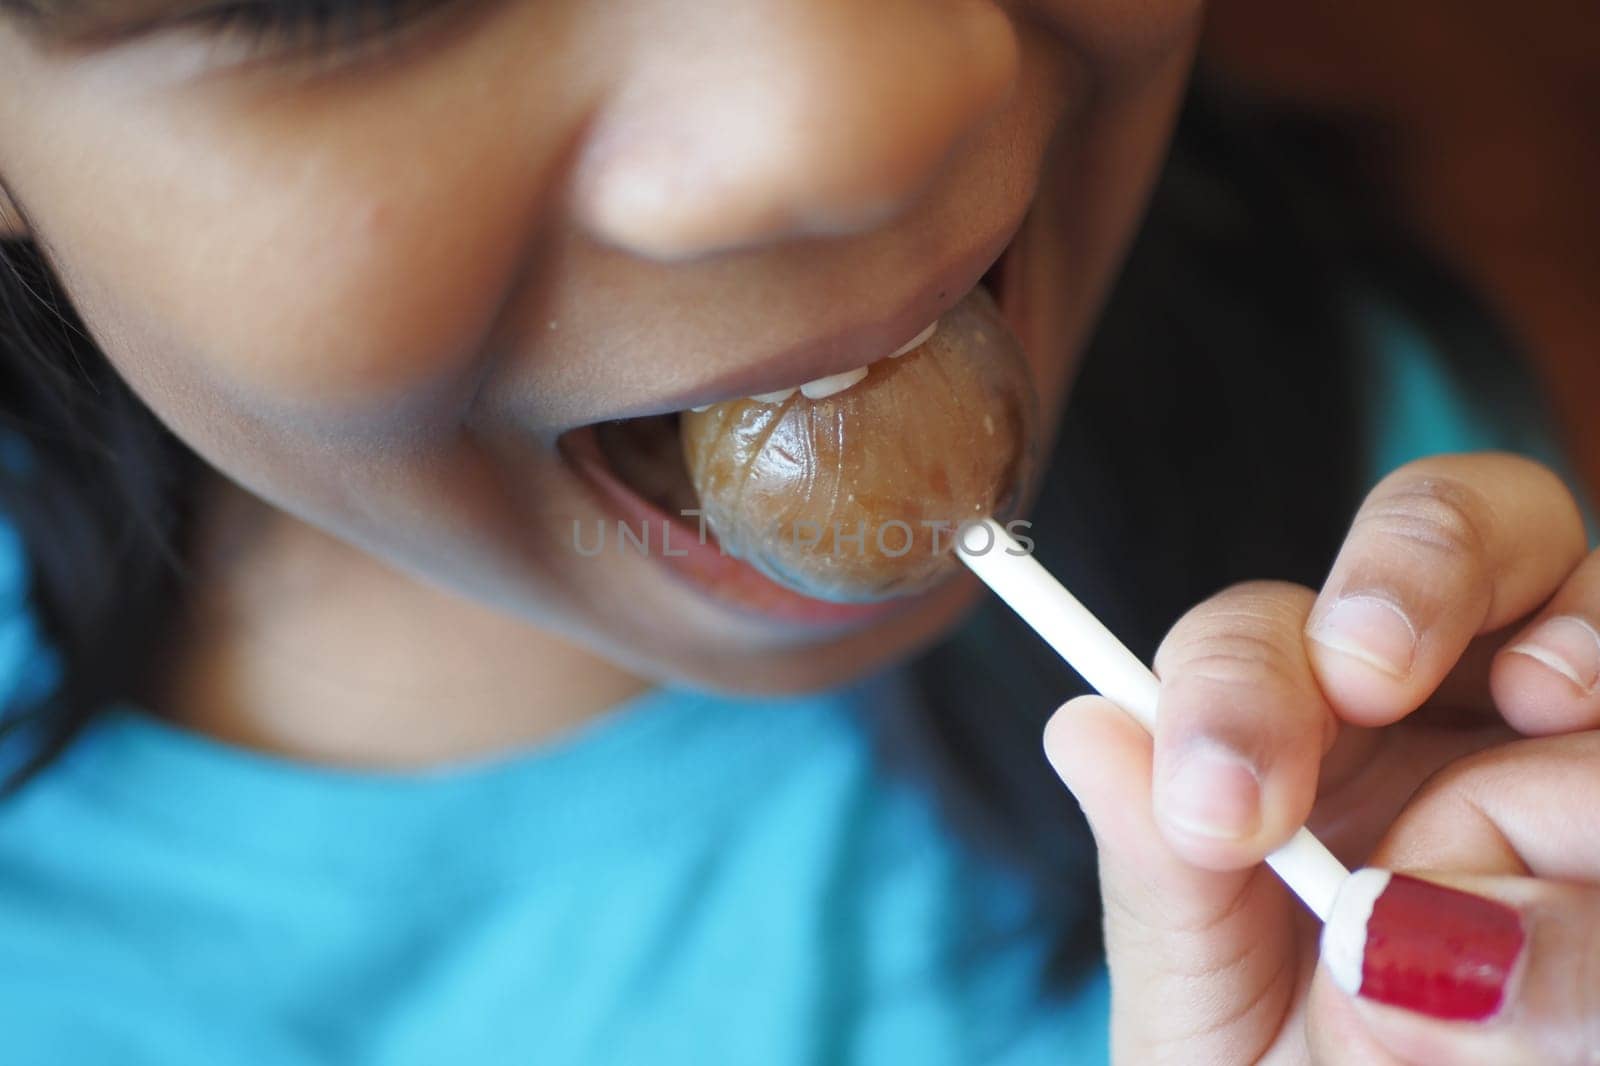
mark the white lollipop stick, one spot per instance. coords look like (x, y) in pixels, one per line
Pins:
(1304, 863)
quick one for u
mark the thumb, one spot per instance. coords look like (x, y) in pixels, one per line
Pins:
(1194, 976)
(1476, 970)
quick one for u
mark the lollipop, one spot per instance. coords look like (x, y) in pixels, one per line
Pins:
(859, 494)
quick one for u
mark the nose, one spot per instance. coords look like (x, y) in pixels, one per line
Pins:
(749, 123)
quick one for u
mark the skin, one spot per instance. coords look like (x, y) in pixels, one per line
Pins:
(1479, 551)
(363, 350)
(373, 291)
(1407, 765)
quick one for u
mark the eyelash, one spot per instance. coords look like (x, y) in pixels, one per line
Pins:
(308, 25)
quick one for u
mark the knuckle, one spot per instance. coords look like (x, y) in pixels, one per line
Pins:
(1434, 518)
(1258, 611)
(1497, 774)
(1464, 781)
(1448, 788)
(1239, 658)
(1244, 635)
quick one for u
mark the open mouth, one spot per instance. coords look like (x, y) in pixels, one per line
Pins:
(637, 468)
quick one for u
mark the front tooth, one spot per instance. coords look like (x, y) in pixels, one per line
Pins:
(774, 397)
(824, 387)
(915, 342)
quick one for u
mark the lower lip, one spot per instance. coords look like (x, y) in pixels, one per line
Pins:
(694, 557)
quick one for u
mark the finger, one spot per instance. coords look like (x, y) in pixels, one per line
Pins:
(1512, 977)
(1547, 678)
(1443, 549)
(1240, 727)
(1527, 807)
(1188, 939)
(1476, 970)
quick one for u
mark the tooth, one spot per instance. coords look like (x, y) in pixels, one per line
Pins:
(824, 387)
(702, 407)
(915, 342)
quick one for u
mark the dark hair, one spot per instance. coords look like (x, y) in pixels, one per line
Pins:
(1209, 439)
(99, 496)
(1212, 436)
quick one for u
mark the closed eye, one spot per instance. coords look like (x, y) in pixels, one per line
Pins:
(313, 25)
(301, 25)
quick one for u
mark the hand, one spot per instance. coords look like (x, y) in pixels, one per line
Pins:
(1508, 975)
(1280, 705)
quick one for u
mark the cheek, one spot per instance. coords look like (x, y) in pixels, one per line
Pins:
(336, 293)
(343, 251)
(320, 348)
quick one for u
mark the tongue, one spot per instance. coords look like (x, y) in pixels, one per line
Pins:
(646, 453)
(859, 496)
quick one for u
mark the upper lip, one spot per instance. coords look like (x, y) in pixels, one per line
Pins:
(852, 346)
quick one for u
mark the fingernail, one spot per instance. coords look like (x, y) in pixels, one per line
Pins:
(1371, 629)
(1420, 946)
(1213, 792)
(1569, 646)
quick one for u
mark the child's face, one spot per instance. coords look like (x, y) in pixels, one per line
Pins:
(376, 286)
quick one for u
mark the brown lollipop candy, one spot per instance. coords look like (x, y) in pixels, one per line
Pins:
(858, 496)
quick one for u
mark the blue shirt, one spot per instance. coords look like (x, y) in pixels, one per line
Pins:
(689, 880)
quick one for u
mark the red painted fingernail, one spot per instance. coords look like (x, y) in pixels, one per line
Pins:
(1422, 947)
